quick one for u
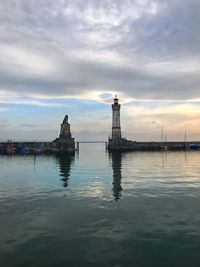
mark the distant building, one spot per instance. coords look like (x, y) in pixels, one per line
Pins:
(65, 142)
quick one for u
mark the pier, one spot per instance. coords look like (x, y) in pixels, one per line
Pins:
(33, 147)
(126, 145)
(117, 143)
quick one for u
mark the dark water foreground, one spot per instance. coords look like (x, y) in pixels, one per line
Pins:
(135, 209)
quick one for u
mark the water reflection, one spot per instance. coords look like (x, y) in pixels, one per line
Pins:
(40, 226)
(164, 158)
(117, 175)
(65, 162)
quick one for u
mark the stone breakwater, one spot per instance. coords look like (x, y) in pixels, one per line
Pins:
(125, 145)
(34, 148)
(50, 148)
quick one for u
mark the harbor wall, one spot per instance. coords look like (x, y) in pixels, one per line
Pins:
(29, 144)
(125, 145)
(115, 146)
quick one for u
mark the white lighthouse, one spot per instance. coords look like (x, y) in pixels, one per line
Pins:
(116, 128)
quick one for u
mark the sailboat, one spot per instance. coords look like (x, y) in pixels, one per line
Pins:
(164, 147)
(191, 146)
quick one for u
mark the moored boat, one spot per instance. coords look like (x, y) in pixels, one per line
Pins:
(10, 149)
(38, 150)
(22, 150)
(193, 147)
(2, 150)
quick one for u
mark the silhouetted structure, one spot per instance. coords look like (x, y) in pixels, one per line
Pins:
(65, 143)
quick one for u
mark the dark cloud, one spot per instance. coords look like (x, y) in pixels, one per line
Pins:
(144, 49)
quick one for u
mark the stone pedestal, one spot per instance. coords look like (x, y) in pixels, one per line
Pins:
(64, 143)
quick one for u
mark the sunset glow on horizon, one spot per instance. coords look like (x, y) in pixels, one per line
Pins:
(72, 57)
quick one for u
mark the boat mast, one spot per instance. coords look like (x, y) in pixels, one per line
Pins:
(185, 137)
(162, 135)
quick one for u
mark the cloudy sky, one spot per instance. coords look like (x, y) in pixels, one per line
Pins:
(72, 56)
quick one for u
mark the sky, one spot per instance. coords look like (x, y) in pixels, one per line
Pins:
(72, 56)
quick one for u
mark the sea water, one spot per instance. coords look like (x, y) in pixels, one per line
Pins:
(99, 209)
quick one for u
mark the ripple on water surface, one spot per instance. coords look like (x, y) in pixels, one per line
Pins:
(100, 209)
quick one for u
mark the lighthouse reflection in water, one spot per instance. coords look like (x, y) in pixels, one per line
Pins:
(117, 174)
(100, 209)
(65, 162)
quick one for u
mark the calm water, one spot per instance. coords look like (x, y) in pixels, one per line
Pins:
(96, 209)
